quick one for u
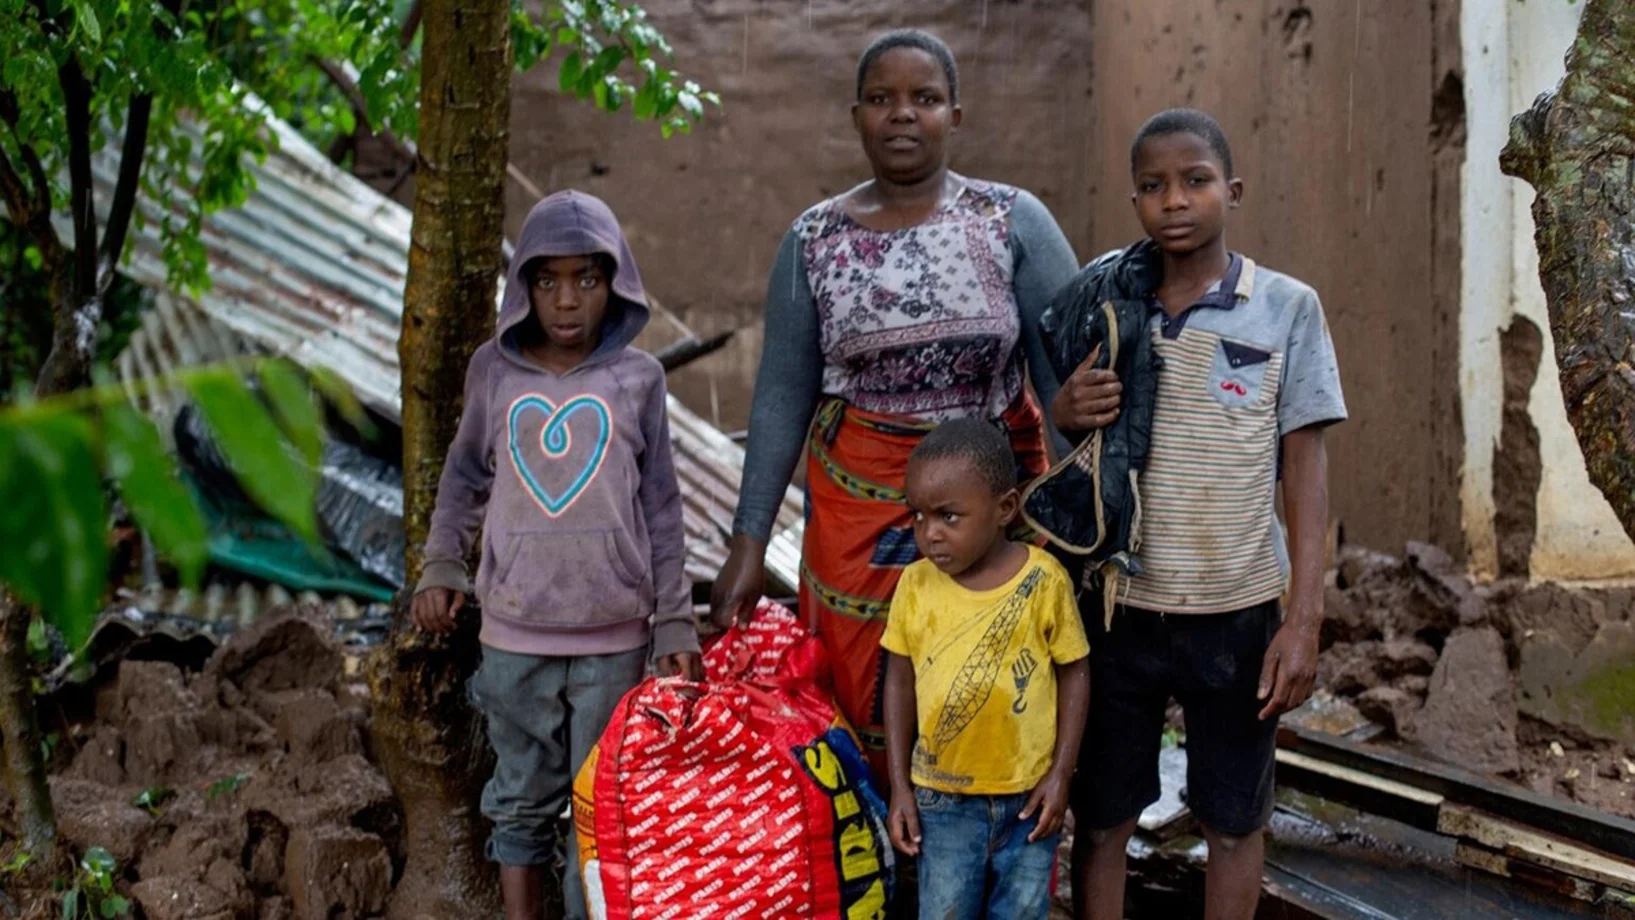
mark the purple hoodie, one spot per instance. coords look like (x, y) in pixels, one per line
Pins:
(570, 476)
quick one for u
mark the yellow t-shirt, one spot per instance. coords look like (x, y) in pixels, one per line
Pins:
(984, 673)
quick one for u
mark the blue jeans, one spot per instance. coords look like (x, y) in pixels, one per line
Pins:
(976, 861)
(544, 715)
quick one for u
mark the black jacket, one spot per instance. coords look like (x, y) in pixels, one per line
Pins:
(1089, 504)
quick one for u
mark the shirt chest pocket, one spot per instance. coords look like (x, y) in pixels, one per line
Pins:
(1238, 379)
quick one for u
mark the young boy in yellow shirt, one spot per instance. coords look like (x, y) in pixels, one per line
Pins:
(987, 685)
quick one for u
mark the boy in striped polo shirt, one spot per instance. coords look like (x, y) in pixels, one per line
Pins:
(1248, 384)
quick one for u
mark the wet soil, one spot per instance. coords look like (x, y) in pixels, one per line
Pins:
(241, 791)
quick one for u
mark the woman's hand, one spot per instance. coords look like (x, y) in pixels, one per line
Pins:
(741, 583)
(1089, 399)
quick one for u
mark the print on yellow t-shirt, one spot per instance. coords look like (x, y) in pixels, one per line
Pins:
(984, 675)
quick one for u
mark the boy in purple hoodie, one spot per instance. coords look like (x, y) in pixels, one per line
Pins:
(563, 458)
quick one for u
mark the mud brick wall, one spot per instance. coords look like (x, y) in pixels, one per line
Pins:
(1347, 123)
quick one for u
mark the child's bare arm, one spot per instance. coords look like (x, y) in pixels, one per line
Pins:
(901, 710)
(1072, 707)
(1290, 668)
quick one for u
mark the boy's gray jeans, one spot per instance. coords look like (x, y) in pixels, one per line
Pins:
(544, 716)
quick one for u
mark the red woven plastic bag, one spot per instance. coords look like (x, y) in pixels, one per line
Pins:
(742, 797)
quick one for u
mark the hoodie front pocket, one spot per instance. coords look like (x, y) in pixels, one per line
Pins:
(565, 581)
(1238, 374)
(624, 558)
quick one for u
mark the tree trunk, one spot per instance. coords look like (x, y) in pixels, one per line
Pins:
(1576, 147)
(24, 763)
(429, 740)
(78, 304)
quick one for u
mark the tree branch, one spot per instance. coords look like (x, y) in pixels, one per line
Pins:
(411, 25)
(18, 198)
(29, 202)
(76, 91)
(360, 110)
(131, 155)
(41, 189)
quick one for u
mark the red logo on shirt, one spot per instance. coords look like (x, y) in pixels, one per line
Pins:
(1232, 386)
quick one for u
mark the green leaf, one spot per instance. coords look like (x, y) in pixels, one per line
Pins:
(151, 798)
(572, 68)
(70, 904)
(291, 398)
(691, 105)
(99, 860)
(39, 641)
(134, 458)
(87, 19)
(647, 100)
(226, 786)
(15, 69)
(338, 393)
(250, 440)
(56, 518)
(608, 61)
(19, 861)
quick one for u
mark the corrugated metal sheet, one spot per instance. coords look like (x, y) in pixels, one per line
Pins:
(312, 267)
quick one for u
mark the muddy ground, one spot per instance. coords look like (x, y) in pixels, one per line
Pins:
(260, 797)
(1518, 680)
(269, 805)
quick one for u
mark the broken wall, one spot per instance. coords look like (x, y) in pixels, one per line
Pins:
(1329, 108)
(1367, 135)
(1513, 51)
(705, 212)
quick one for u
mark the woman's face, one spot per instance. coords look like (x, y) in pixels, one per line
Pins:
(905, 116)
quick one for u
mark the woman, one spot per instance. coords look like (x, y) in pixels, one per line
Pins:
(910, 300)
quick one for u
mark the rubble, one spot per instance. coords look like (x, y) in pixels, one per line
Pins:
(1530, 663)
(261, 800)
(1469, 716)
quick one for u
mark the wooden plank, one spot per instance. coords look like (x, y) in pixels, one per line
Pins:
(1540, 849)
(1478, 857)
(1560, 817)
(1398, 801)
(1500, 864)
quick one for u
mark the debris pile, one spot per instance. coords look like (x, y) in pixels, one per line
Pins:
(1531, 681)
(242, 790)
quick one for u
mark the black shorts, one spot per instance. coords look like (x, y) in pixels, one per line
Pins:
(1210, 664)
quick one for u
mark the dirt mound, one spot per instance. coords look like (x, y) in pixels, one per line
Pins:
(239, 792)
(1489, 676)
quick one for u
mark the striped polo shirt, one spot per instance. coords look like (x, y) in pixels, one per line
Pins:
(1248, 363)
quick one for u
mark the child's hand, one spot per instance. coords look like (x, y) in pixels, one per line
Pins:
(904, 822)
(1289, 670)
(686, 664)
(1089, 399)
(434, 609)
(1049, 799)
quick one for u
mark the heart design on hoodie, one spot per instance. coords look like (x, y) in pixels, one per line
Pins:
(556, 442)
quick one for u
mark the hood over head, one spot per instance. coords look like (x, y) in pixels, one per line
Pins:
(571, 223)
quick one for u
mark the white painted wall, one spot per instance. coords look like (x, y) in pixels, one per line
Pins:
(1514, 50)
